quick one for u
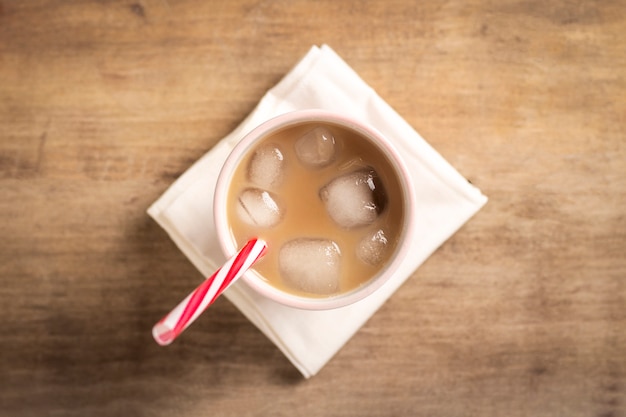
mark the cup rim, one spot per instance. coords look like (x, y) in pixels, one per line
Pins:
(272, 125)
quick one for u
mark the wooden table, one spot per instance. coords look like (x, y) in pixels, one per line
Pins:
(103, 104)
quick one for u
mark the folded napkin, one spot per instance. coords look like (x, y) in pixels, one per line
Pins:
(445, 201)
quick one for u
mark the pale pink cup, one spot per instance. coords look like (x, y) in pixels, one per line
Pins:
(251, 277)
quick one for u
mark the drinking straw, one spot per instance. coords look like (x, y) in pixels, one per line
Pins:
(173, 324)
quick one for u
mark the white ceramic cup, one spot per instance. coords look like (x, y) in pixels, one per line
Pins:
(249, 141)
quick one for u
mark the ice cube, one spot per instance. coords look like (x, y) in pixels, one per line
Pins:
(311, 265)
(316, 148)
(373, 247)
(259, 208)
(354, 199)
(266, 166)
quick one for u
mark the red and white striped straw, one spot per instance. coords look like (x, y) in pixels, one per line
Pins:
(173, 324)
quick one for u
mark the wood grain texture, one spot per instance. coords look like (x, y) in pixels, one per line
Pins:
(103, 104)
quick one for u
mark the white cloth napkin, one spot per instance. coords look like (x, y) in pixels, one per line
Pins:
(322, 80)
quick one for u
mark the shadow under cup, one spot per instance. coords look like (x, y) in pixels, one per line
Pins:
(385, 150)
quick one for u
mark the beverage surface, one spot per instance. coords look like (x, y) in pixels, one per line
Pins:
(327, 201)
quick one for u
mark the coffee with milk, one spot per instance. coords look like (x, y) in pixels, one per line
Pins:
(327, 201)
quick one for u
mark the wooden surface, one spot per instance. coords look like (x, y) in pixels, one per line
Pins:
(103, 104)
